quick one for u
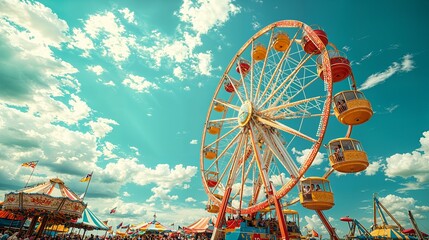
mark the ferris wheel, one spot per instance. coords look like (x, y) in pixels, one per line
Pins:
(267, 119)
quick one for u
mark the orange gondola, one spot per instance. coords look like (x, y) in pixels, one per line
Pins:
(315, 194)
(352, 108)
(347, 155)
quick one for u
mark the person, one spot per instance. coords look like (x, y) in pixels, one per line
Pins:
(318, 188)
(307, 193)
(343, 105)
(339, 153)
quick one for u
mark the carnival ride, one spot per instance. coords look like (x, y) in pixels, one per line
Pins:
(52, 201)
(275, 99)
(383, 230)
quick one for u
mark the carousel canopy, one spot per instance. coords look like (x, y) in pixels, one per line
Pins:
(90, 221)
(52, 197)
(201, 225)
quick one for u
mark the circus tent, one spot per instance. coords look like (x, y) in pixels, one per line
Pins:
(389, 233)
(90, 221)
(153, 226)
(203, 225)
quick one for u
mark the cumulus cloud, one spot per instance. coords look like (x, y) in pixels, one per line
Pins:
(302, 156)
(97, 69)
(194, 141)
(373, 168)
(190, 199)
(128, 15)
(411, 165)
(138, 83)
(41, 23)
(102, 126)
(406, 65)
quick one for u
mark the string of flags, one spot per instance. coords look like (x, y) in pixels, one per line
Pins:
(113, 211)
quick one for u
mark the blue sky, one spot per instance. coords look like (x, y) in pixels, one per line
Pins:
(122, 88)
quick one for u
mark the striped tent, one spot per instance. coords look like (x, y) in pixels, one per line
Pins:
(390, 234)
(54, 188)
(90, 222)
(153, 226)
(202, 225)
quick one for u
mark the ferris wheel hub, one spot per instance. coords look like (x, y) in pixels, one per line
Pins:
(245, 113)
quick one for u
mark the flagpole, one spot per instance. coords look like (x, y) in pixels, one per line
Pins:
(31, 174)
(84, 195)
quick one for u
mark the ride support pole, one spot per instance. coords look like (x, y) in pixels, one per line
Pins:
(280, 216)
(221, 215)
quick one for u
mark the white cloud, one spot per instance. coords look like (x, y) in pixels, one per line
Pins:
(406, 65)
(302, 156)
(204, 15)
(187, 88)
(43, 25)
(97, 69)
(136, 151)
(80, 40)
(203, 66)
(128, 15)
(108, 150)
(190, 199)
(193, 141)
(102, 126)
(411, 165)
(126, 194)
(138, 83)
(186, 186)
(109, 83)
(115, 41)
(373, 168)
(178, 72)
(392, 108)
(279, 180)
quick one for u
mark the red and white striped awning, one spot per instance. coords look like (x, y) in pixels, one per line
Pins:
(202, 225)
(55, 187)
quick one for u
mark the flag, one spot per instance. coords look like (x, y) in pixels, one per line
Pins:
(120, 224)
(314, 233)
(87, 178)
(31, 164)
(113, 211)
(125, 226)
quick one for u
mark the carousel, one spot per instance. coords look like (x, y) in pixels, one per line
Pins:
(48, 202)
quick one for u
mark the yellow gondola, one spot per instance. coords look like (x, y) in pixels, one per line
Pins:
(352, 108)
(281, 41)
(315, 194)
(259, 52)
(347, 155)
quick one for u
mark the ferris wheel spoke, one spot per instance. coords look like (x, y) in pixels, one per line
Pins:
(287, 80)
(222, 137)
(274, 143)
(234, 84)
(227, 104)
(270, 110)
(230, 165)
(258, 157)
(295, 115)
(263, 67)
(222, 120)
(280, 126)
(296, 93)
(279, 64)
